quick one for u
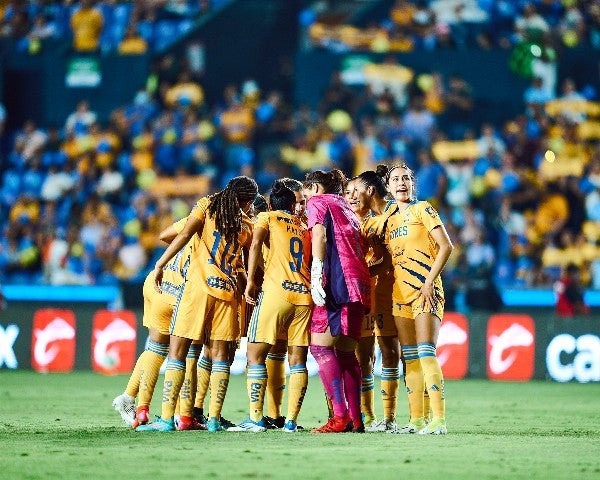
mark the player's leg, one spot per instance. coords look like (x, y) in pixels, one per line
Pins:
(427, 327)
(413, 376)
(366, 358)
(188, 390)
(298, 338)
(154, 357)
(256, 384)
(275, 383)
(174, 375)
(390, 374)
(203, 380)
(224, 329)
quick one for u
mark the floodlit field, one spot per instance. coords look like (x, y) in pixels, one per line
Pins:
(63, 427)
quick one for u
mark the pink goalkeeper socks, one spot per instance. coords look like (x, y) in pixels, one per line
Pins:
(331, 377)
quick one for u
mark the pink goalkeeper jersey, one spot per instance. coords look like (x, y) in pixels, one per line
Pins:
(345, 268)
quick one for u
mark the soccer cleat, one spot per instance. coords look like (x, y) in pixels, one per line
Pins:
(142, 416)
(226, 423)
(213, 425)
(125, 405)
(275, 423)
(189, 423)
(290, 427)
(368, 421)
(335, 425)
(198, 414)
(358, 426)
(383, 425)
(250, 425)
(415, 425)
(436, 427)
(158, 425)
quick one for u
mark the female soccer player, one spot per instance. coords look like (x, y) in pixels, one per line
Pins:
(340, 288)
(207, 305)
(419, 246)
(157, 316)
(366, 196)
(283, 305)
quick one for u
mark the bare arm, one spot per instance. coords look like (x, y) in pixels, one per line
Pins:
(318, 241)
(254, 256)
(192, 226)
(168, 234)
(442, 239)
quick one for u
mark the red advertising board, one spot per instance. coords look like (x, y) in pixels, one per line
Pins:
(113, 341)
(453, 346)
(510, 347)
(53, 340)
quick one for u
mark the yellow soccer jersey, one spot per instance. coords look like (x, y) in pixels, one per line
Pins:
(373, 229)
(215, 261)
(175, 271)
(413, 249)
(287, 257)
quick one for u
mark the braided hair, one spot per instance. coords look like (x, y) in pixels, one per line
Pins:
(332, 182)
(225, 206)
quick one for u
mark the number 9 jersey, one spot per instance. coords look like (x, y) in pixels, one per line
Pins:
(287, 256)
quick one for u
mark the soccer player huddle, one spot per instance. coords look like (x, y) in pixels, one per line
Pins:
(329, 266)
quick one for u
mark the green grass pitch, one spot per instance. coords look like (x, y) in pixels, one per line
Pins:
(63, 427)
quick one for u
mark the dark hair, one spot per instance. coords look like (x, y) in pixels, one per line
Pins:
(386, 171)
(224, 206)
(282, 197)
(293, 184)
(374, 179)
(332, 182)
(260, 204)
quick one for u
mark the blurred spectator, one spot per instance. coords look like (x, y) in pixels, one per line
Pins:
(86, 24)
(132, 43)
(569, 293)
(459, 105)
(81, 119)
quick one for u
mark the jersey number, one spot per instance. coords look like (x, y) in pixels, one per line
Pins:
(225, 260)
(296, 252)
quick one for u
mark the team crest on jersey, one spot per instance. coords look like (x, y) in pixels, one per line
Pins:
(431, 211)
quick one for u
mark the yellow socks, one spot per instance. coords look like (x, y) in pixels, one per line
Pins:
(389, 391)
(188, 389)
(367, 396)
(219, 381)
(174, 375)
(203, 380)
(434, 379)
(413, 379)
(297, 390)
(256, 383)
(150, 362)
(275, 383)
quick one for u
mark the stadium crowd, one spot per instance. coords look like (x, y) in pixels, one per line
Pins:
(460, 24)
(126, 27)
(84, 202)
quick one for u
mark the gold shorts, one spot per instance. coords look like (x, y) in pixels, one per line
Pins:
(414, 309)
(379, 324)
(204, 317)
(275, 319)
(158, 307)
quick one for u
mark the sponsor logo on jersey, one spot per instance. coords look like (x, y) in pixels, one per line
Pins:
(53, 340)
(113, 341)
(510, 347)
(453, 346)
